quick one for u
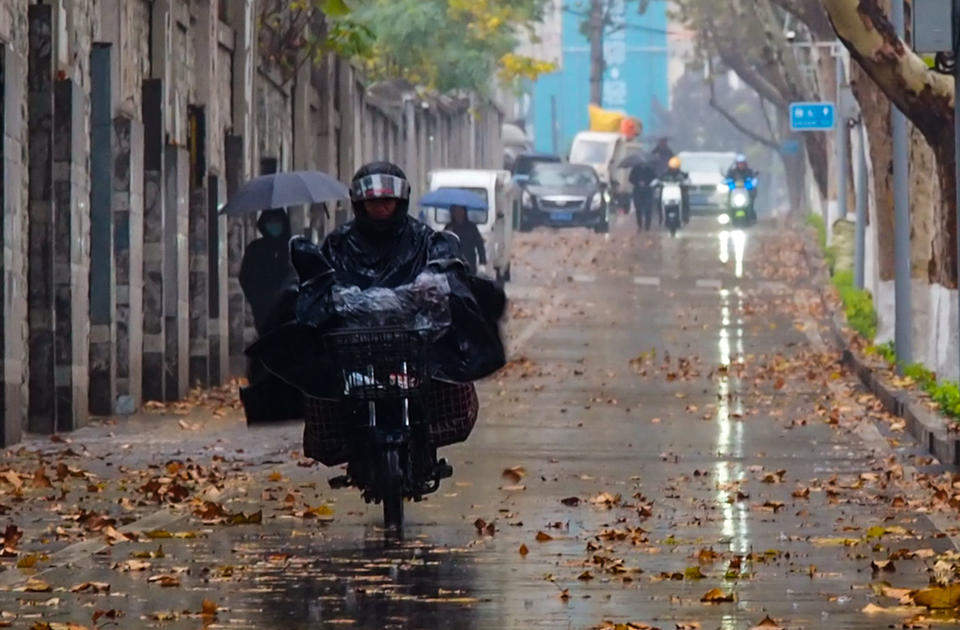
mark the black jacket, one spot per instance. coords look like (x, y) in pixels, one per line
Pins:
(265, 270)
(740, 173)
(471, 243)
(352, 256)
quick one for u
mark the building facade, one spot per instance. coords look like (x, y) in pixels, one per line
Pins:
(126, 125)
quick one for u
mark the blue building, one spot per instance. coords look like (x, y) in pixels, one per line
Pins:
(635, 77)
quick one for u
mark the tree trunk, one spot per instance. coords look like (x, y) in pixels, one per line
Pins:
(595, 29)
(924, 96)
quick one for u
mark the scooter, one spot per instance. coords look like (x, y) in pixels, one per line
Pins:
(740, 210)
(391, 418)
(671, 204)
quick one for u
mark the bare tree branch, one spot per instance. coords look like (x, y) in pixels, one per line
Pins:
(737, 124)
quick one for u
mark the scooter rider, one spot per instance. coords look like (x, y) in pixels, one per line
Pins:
(740, 169)
(674, 174)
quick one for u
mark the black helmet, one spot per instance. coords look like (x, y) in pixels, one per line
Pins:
(380, 180)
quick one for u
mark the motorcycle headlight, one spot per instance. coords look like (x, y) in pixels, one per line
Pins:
(739, 199)
(597, 201)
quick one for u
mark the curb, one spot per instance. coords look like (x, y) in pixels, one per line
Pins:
(929, 428)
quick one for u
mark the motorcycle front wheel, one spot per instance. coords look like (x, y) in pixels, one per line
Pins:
(392, 491)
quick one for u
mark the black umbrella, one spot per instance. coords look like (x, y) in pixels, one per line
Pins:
(634, 159)
(285, 189)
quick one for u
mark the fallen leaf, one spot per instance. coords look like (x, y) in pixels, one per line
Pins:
(523, 551)
(716, 596)
(585, 576)
(938, 597)
(515, 474)
(36, 585)
(883, 565)
(571, 501)
(91, 587)
(113, 613)
(208, 607)
(693, 573)
(543, 536)
(165, 579)
(767, 622)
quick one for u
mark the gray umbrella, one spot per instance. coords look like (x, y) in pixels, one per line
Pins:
(285, 189)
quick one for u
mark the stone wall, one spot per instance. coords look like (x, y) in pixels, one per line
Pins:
(126, 125)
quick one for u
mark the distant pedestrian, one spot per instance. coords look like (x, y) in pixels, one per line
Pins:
(471, 241)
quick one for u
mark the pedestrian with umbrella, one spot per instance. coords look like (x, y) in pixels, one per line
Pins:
(642, 173)
(459, 202)
(268, 278)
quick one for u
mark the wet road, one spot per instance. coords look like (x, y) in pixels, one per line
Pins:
(675, 422)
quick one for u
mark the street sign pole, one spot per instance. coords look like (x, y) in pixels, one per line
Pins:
(901, 218)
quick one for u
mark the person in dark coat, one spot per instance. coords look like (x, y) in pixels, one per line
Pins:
(471, 241)
(267, 277)
(662, 153)
(641, 176)
(266, 270)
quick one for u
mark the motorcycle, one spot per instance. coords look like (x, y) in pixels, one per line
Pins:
(740, 210)
(671, 204)
(391, 417)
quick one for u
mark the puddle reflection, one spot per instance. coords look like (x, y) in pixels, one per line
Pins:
(737, 238)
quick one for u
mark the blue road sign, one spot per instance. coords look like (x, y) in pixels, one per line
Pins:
(812, 116)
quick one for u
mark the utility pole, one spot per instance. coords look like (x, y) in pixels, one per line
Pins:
(842, 139)
(901, 221)
(859, 245)
(595, 27)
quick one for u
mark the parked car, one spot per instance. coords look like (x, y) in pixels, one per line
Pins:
(525, 162)
(565, 195)
(707, 188)
(496, 224)
(604, 151)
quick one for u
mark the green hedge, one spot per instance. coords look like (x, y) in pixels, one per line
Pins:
(945, 393)
(858, 304)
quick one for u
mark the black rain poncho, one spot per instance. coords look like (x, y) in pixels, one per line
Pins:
(410, 275)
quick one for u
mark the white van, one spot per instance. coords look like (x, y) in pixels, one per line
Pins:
(495, 225)
(604, 150)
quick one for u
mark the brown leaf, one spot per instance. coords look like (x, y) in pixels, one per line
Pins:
(883, 565)
(515, 474)
(767, 622)
(165, 579)
(585, 576)
(801, 493)
(209, 608)
(91, 587)
(543, 536)
(716, 596)
(40, 479)
(113, 613)
(523, 551)
(571, 501)
(36, 585)
(12, 478)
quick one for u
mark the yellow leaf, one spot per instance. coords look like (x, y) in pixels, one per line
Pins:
(693, 573)
(939, 597)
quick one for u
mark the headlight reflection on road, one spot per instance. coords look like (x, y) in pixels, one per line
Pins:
(730, 431)
(739, 239)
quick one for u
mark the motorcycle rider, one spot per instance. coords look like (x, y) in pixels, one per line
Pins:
(675, 174)
(740, 170)
(383, 247)
(641, 177)
(662, 153)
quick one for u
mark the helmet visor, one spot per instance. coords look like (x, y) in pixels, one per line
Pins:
(379, 186)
